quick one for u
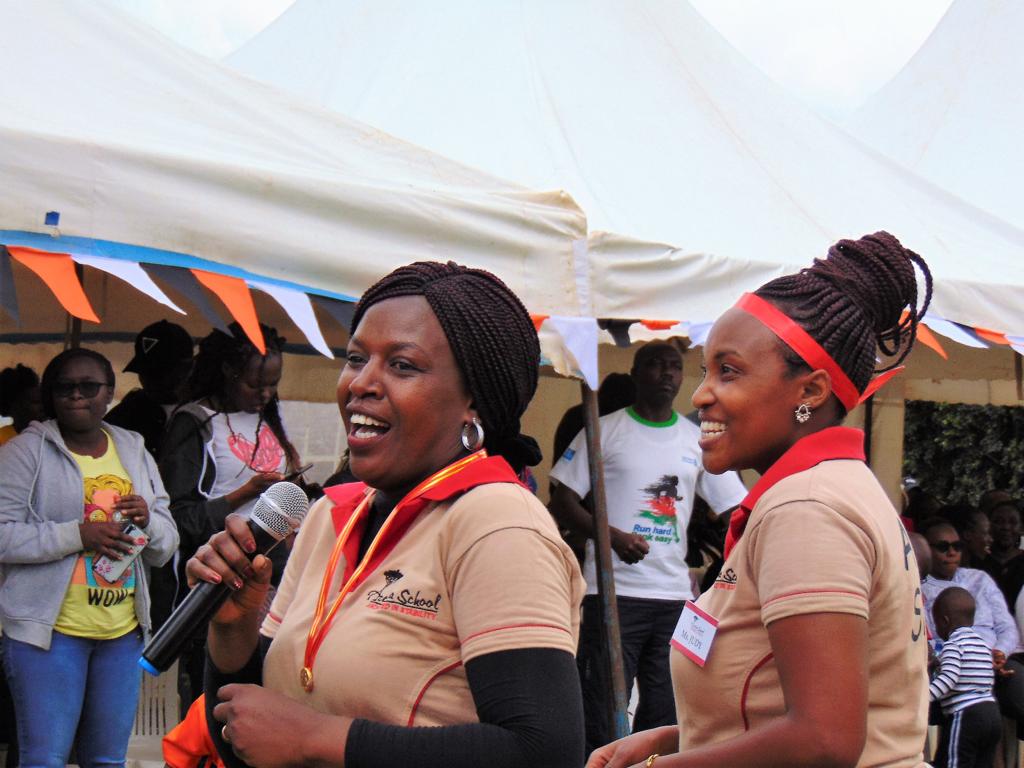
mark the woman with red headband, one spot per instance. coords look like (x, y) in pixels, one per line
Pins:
(810, 648)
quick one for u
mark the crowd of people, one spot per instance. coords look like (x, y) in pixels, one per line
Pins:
(431, 611)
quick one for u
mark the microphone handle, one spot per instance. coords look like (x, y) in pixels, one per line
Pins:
(195, 611)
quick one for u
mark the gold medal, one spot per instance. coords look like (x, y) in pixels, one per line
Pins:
(306, 678)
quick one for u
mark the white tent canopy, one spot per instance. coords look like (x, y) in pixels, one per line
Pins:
(955, 112)
(150, 153)
(659, 129)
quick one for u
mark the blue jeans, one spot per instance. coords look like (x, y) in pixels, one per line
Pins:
(79, 686)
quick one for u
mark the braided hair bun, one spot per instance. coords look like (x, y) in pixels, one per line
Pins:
(492, 339)
(859, 300)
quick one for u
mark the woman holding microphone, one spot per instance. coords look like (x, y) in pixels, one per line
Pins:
(810, 648)
(429, 614)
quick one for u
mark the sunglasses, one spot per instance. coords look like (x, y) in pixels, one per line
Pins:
(87, 389)
(945, 546)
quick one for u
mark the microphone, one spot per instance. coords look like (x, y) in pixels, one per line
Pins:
(278, 512)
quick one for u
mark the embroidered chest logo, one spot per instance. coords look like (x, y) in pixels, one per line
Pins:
(726, 579)
(395, 598)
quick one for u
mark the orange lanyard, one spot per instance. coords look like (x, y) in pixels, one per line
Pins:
(322, 623)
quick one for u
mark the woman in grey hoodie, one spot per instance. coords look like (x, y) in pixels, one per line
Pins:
(72, 639)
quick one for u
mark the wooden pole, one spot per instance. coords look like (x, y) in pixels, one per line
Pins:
(603, 563)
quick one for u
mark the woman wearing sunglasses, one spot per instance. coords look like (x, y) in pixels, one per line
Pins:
(72, 639)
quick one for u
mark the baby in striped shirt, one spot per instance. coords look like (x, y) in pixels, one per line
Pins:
(963, 686)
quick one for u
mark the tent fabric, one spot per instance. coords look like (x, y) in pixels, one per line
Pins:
(955, 112)
(713, 178)
(116, 143)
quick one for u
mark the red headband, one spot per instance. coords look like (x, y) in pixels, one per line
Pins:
(810, 351)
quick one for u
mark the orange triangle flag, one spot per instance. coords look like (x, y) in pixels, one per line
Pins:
(538, 321)
(658, 325)
(236, 297)
(57, 270)
(994, 336)
(926, 337)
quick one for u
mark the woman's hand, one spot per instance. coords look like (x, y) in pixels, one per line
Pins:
(224, 560)
(254, 486)
(636, 748)
(269, 730)
(133, 507)
(105, 539)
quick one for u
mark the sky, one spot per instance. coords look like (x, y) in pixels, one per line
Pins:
(831, 53)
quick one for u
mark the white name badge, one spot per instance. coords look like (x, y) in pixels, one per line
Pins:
(694, 634)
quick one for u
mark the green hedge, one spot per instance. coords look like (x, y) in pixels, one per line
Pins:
(957, 452)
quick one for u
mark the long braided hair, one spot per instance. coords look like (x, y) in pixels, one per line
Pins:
(207, 380)
(858, 301)
(492, 338)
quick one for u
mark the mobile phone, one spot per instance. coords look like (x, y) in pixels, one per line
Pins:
(111, 570)
(297, 472)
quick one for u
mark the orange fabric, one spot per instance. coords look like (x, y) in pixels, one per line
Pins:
(538, 321)
(926, 337)
(57, 270)
(236, 297)
(189, 741)
(658, 325)
(994, 336)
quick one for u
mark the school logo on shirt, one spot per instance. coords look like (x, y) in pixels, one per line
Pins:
(661, 498)
(408, 601)
(726, 579)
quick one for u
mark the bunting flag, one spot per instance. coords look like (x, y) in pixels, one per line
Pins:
(659, 325)
(538, 321)
(927, 338)
(699, 333)
(8, 295)
(298, 307)
(185, 283)
(57, 270)
(234, 293)
(132, 273)
(341, 311)
(992, 336)
(954, 331)
(579, 334)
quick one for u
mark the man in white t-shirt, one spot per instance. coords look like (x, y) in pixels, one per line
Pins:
(652, 469)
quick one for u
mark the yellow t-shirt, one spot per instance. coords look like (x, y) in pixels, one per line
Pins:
(94, 607)
(6, 433)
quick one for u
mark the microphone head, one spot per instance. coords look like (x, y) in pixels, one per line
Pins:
(280, 509)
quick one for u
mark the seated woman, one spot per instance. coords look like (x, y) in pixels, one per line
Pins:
(72, 639)
(429, 614)
(811, 649)
(224, 446)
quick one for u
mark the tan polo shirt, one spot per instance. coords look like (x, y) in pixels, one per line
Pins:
(486, 573)
(822, 540)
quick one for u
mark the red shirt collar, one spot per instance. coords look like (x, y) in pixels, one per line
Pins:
(807, 452)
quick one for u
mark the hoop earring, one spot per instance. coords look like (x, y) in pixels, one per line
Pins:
(476, 446)
(803, 413)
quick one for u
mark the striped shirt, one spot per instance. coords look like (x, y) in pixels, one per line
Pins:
(965, 675)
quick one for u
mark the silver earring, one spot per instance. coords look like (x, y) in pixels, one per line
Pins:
(479, 443)
(803, 413)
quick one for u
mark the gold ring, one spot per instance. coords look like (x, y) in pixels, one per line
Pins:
(224, 734)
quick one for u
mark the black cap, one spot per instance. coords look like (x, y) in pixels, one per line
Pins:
(158, 346)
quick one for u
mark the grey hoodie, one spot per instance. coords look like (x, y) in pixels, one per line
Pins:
(41, 503)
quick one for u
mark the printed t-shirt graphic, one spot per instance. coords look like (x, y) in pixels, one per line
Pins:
(238, 453)
(653, 471)
(94, 607)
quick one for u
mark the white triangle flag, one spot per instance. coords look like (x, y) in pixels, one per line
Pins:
(300, 309)
(131, 273)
